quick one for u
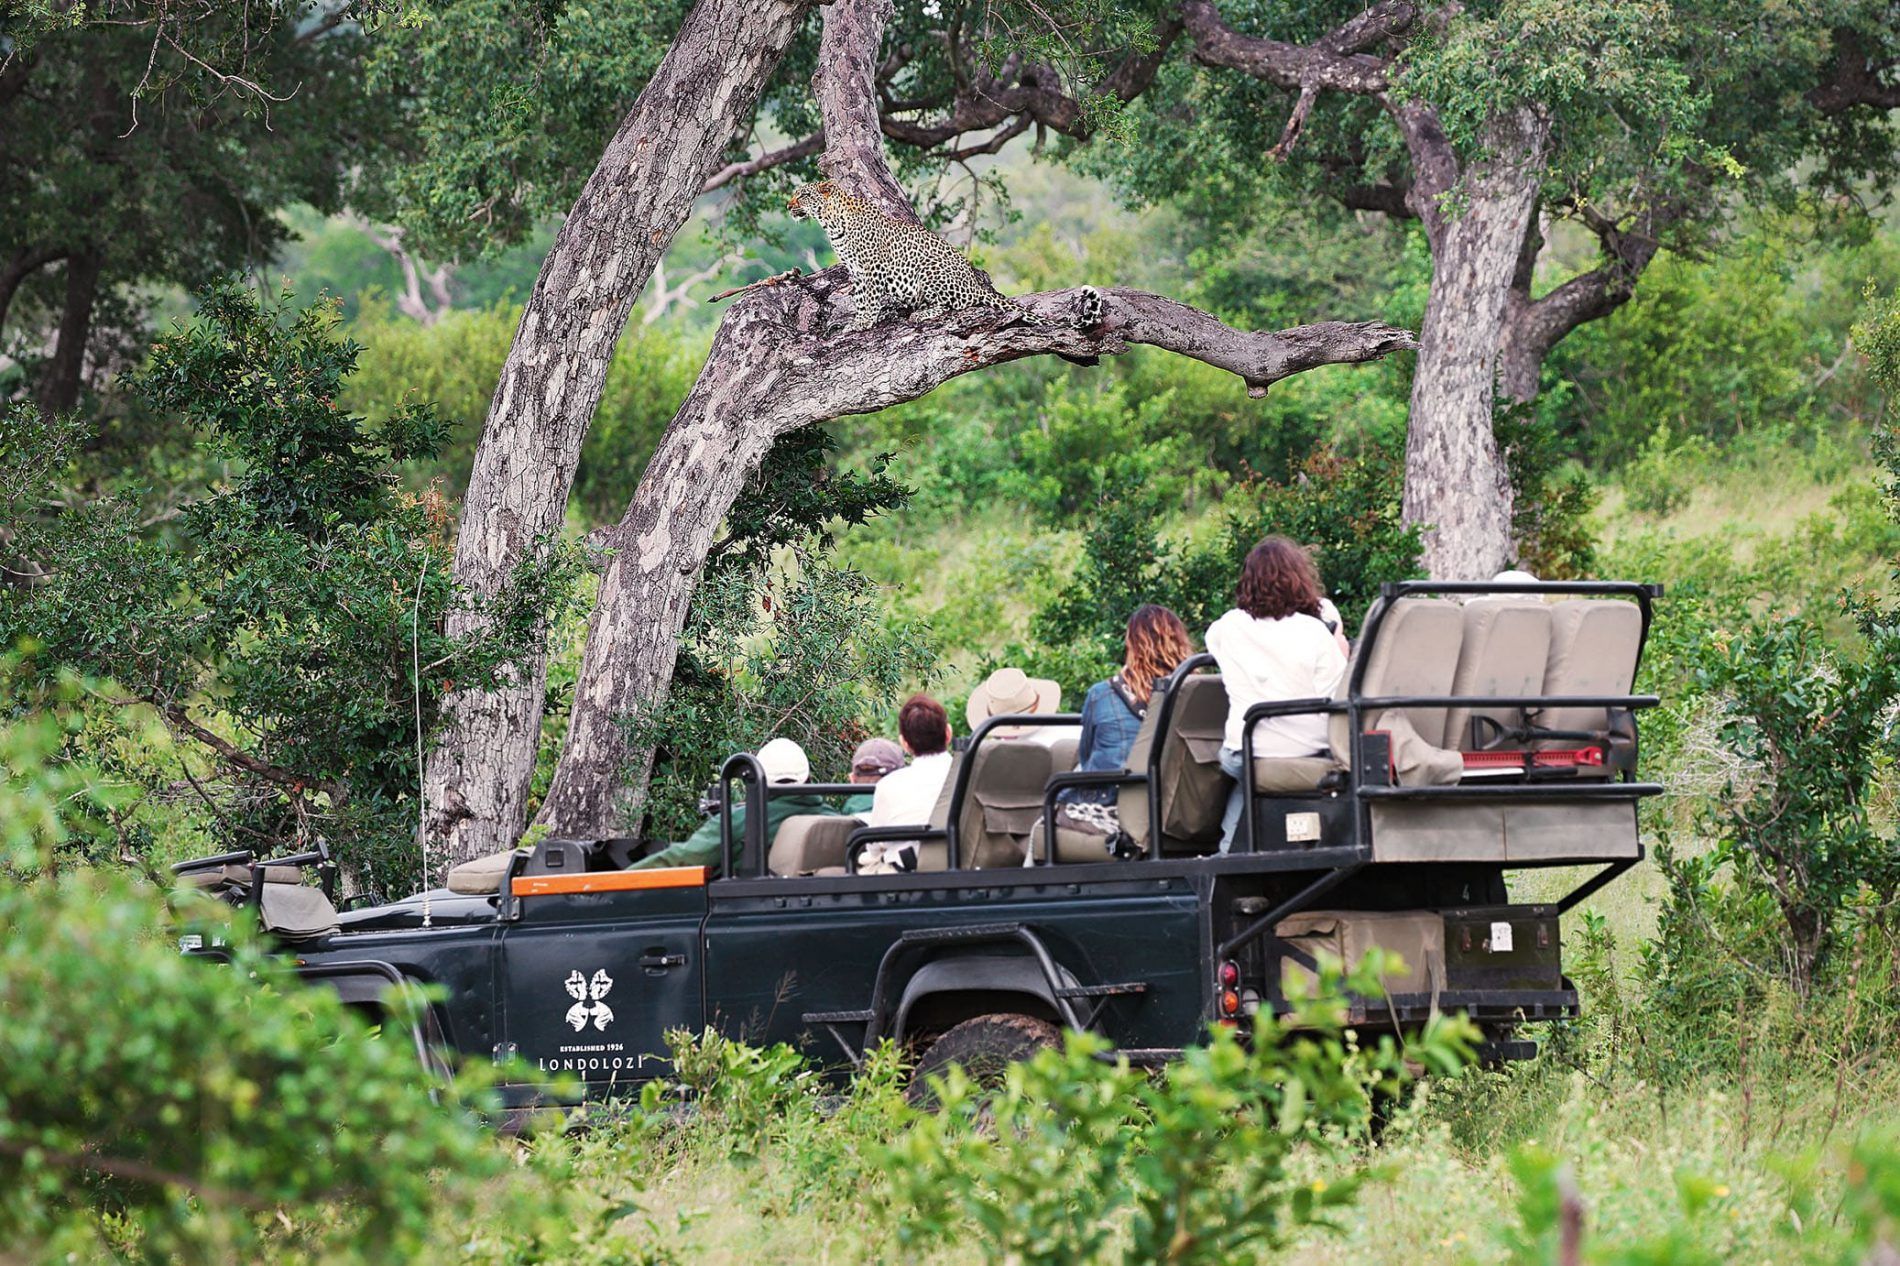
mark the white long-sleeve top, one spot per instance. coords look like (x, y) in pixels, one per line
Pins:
(1262, 661)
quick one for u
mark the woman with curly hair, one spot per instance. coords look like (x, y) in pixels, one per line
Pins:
(1154, 646)
(1273, 646)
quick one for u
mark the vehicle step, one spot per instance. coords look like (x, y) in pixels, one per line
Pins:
(1102, 991)
(837, 1017)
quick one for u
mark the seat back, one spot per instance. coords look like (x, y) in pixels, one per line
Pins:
(1594, 644)
(1505, 647)
(810, 842)
(1414, 653)
(1192, 788)
(1062, 753)
(1001, 803)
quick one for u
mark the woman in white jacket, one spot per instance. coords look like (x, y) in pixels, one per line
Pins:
(1271, 647)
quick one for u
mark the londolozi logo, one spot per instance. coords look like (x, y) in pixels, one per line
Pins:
(588, 1005)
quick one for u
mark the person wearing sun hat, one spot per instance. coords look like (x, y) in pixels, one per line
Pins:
(785, 764)
(873, 759)
(1011, 692)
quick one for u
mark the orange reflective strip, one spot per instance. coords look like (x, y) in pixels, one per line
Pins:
(613, 881)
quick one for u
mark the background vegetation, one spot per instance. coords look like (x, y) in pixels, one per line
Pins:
(225, 575)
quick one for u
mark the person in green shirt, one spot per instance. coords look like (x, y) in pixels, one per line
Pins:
(874, 758)
(785, 763)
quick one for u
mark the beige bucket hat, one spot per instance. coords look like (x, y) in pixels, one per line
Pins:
(1011, 690)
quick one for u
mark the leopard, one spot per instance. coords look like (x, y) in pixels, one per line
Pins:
(897, 267)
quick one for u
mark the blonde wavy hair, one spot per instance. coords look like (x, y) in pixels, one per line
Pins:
(1156, 644)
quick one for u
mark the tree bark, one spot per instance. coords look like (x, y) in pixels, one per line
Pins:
(673, 139)
(782, 360)
(59, 389)
(1476, 218)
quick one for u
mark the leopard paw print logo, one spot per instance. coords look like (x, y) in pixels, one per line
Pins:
(587, 995)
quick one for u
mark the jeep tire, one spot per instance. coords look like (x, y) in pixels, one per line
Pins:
(985, 1045)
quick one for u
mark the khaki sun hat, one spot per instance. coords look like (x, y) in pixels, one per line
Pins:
(785, 762)
(1011, 690)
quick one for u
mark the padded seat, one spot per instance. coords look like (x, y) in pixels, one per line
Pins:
(1062, 753)
(1072, 847)
(1505, 650)
(218, 876)
(810, 842)
(481, 875)
(1002, 802)
(1192, 787)
(1415, 653)
(296, 911)
(1594, 643)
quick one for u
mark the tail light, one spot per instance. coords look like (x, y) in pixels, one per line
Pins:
(1229, 974)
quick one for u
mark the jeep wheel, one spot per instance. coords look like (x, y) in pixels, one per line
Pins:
(985, 1045)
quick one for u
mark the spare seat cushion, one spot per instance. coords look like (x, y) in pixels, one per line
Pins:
(1416, 936)
(481, 875)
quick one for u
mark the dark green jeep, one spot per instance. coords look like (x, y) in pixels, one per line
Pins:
(1481, 730)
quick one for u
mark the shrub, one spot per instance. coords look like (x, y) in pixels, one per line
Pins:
(158, 1108)
(1077, 1150)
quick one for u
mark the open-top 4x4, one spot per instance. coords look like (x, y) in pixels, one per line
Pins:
(1481, 729)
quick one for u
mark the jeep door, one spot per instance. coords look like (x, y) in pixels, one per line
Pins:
(597, 969)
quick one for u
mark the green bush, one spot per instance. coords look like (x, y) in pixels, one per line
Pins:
(1079, 1157)
(159, 1108)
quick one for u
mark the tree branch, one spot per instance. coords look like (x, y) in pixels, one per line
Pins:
(805, 148)
(1334, 61)
(176, 716)
(845, 87)
(1857, 79)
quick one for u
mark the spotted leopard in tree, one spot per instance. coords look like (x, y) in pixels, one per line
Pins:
(898, 267)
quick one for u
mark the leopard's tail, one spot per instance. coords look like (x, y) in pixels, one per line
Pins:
(1090, 308)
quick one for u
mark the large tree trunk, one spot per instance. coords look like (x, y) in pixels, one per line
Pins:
(59, 389)
(1456, 486)
(638, 197)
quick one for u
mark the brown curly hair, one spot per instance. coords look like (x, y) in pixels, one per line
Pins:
(1278, 580)
(1156, 644)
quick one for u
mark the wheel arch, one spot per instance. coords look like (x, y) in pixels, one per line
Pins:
(952, 988)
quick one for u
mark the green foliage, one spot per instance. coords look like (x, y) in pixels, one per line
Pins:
(159, 1108)
(158, 144)
(1552, 502)
(1346, 509)
(1195, 1163)
(1706, 352)
(282, 627)
(166, 1109)
(806, 652)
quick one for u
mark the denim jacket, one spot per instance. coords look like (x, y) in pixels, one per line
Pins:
(1108, 731)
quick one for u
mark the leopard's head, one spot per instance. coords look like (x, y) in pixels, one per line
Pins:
(811, 200)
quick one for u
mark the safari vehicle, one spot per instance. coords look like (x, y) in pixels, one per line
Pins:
(1481, 730)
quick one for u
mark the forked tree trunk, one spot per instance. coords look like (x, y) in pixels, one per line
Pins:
(1456, 485)
(640, 194)
(780, 361)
